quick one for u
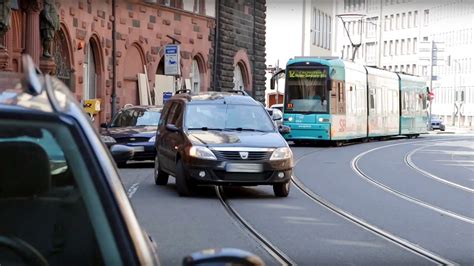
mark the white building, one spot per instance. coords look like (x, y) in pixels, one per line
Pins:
(394, 34)
(298, 28)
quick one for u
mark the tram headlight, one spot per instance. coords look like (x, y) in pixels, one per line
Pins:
(290, 119)
(323, 120)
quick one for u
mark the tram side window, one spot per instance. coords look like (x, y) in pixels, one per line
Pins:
(372, 100)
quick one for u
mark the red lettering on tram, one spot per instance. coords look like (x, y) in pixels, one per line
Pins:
(342, 125)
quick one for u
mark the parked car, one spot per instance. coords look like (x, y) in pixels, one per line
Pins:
(437, 124)
(276, 115)
(61, 199)
(278, 106)
(220, 138)
(134, 126)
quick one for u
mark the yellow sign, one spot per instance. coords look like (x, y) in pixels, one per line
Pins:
(91, 106)
(307, 74)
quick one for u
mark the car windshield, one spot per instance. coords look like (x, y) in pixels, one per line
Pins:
(137, 117)
(228, 117)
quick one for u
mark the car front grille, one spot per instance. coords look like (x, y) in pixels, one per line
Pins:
(223, 175)
(235, 155)
(131, 139)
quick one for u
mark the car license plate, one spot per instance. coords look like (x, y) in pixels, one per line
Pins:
(138, 149)
(244, 168)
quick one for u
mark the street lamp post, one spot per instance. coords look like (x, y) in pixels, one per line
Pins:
(456, 108)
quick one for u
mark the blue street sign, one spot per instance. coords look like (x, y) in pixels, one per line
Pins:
(166, 96)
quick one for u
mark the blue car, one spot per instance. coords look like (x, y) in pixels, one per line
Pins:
(135, 127)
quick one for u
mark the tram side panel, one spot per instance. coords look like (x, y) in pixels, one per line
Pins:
(383, 97)
(349, 104)
(413, 105)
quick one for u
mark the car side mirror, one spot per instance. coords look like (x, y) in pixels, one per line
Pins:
(225, 256)
(284, 129)
(104, 125)
(121, 153)
(172, 128)
(276, 116)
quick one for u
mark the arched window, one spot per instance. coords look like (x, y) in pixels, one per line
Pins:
(195, 77)
(238, 78)
(62, 58)
(90, 73)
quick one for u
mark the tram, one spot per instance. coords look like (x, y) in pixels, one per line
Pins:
(330, 99)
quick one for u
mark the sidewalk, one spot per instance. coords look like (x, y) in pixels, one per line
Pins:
(454, 130)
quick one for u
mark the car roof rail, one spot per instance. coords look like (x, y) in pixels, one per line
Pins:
(188, 91)
(128, 105)
(33, 83)
(244, 93)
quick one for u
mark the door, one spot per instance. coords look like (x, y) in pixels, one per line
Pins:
(169, 140)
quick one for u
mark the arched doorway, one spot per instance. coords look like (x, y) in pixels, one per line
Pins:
(238, 78)
(62, 58)
(133, 65)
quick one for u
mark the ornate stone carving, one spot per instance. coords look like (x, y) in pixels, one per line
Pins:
(5, 20)
(49, 25)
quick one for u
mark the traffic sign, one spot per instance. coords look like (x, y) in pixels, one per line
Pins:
(172, 60)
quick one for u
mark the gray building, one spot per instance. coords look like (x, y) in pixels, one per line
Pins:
(239, 55)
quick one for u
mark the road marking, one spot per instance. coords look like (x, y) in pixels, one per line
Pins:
(132, 190)
(410, 163)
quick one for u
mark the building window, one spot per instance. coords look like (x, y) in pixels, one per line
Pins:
(402, 47)
(396, 47)
(392, 21)
(238, 78)
(408, 46)
(90, 73)
(415, 19)
(390, 49)
(397, 21)
(195, 77)
(322, 29)
(404, 18)
(409, 20)
(199, 7)
(385, 48)
(386, 21)
(426, 17)
(414, 45)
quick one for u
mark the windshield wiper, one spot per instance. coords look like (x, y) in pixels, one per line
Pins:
(204, 128)
(243, 129)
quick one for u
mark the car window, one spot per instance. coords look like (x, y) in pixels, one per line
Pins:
(171, 113)
(228, 116)
(137, 117)
(44, 178)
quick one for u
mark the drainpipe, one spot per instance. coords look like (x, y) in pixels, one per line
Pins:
(114, 61)
(253, 46)
(216, 42)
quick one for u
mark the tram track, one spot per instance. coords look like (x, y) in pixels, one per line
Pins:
(407, 245)
(411, 164)
(271, 249)
(431, 256)
(355, 167)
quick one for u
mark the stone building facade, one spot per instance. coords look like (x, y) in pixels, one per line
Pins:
(240, 56)
(83, 47)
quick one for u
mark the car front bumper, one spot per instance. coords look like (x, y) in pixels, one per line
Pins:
(227, 172)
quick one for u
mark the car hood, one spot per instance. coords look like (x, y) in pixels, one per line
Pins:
(237, 139)
(117, 132)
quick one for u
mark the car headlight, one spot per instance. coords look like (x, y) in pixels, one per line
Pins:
(282, 154)
(107, 139)
(152, 139)
(202, 153)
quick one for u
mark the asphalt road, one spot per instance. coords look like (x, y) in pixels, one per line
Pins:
(419, 191)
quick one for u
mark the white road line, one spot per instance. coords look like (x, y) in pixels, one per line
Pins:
(132, 190)
(410, 163)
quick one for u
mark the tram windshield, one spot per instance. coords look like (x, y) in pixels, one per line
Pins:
(307, 91)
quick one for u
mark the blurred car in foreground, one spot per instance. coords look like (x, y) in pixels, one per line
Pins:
(134, 127)
(61, 199)
(221, 138)
(437, 124)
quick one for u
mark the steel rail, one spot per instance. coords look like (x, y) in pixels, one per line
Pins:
(274, 252)
(400, 194)
(371, 228)
(411, 164)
